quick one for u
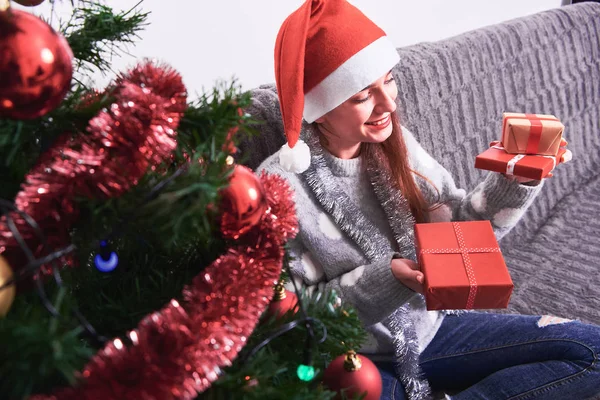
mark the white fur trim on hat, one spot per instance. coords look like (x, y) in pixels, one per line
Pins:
(358, 72)
(296, 159)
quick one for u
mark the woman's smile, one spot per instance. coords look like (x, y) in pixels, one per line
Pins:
(380, 123)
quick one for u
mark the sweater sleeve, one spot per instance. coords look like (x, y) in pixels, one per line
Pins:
(498, 198)
(370, 288)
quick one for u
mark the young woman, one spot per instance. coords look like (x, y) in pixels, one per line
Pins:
(361, 182)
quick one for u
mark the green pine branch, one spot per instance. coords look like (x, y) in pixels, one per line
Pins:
(95, 33)
(38, 352)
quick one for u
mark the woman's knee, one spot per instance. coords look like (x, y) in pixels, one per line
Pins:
(591, 340)
(583, 343)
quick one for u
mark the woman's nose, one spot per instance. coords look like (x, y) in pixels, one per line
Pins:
(386, 101)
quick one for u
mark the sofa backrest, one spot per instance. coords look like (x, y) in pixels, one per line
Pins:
(452, 94)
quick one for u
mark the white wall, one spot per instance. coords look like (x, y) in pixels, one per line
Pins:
(209, 40)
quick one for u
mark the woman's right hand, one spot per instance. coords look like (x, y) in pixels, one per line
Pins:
(409, 273)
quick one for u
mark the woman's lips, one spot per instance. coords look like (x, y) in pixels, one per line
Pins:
(381, 123)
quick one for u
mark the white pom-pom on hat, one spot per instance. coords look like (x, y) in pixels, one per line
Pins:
(295, 159)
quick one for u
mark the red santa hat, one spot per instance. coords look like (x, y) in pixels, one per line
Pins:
(326, 52)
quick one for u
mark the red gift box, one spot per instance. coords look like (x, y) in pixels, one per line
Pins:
(533, 167)
(463, 266)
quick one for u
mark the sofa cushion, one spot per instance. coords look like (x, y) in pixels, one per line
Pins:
(558, 271)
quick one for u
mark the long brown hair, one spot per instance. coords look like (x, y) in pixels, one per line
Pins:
(395, 153)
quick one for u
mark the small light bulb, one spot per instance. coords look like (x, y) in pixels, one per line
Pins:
(306, 373)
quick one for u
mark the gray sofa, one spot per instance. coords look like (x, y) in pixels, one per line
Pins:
(452, 95)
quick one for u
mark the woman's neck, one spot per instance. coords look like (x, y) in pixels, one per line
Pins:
(340, 148)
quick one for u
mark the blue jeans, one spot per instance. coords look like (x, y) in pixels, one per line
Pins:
(495, 356)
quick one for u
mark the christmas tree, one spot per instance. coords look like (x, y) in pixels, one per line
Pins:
(138, 257)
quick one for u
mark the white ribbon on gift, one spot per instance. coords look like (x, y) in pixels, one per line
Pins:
(510, 167)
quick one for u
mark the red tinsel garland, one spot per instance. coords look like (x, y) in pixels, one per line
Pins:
(137, 131)
(179, 351)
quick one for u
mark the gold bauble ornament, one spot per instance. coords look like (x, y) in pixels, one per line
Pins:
(7, 293)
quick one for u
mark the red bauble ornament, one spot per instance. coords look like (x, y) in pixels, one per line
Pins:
(29, 3)
(243, 203)
(35, 66)
(283, 301)
(355, 375)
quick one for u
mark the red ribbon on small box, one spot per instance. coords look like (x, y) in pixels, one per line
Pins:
(535, 132)
(464, 251)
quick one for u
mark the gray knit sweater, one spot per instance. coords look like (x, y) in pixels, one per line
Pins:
(353, 222)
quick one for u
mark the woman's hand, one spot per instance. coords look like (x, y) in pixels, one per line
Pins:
(408, 273)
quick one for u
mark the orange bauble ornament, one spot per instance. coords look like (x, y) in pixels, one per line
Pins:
(354, 375)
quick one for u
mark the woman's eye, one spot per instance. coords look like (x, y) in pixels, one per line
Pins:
(363, 99)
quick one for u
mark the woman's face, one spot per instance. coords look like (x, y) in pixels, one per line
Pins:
(365, 117)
